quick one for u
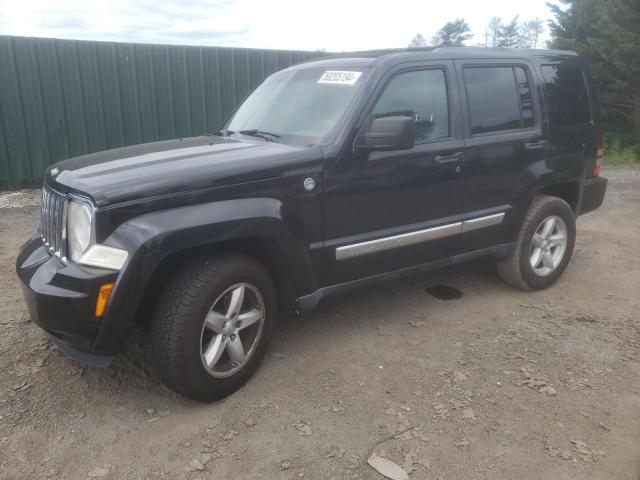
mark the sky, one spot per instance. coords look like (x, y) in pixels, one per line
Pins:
(333, 25)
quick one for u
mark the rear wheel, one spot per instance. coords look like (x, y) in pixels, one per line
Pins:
(544, 245)
(212, 326)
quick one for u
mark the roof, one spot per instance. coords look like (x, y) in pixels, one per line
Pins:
(371, 57)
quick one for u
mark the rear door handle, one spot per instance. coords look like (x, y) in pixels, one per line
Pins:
(542, 144)
(454, 157)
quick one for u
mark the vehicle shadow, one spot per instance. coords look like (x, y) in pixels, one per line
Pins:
(472, 277)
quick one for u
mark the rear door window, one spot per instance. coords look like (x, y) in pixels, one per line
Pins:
(422, 95)
(499, 99)
(566, 93)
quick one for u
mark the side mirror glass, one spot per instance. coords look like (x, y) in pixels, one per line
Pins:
(388, 133)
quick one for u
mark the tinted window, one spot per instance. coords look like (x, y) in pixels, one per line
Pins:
(566, 95)
(421, 95)
(495, 101)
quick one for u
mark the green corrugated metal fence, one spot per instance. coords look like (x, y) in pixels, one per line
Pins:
(63, 98)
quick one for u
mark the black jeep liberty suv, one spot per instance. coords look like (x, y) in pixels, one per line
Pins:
(332, 174)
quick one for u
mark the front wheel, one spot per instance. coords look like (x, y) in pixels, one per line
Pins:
(212, 326)
(544, 246)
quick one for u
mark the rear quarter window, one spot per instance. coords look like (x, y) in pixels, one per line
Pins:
(566, 94)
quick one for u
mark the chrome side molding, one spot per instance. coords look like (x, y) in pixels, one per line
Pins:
(420, 236)
(482, 222)
(397, 241)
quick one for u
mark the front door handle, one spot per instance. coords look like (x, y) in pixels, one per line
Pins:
(541, 145)
(454, 157)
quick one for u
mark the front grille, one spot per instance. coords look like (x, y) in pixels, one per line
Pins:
(52, 228)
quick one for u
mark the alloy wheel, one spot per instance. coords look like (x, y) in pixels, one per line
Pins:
(548, 245)
(232, 330)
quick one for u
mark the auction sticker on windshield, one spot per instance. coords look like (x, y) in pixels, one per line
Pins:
(339, 77)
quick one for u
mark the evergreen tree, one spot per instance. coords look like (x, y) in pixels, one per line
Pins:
(509, 34)
(452, 34)
(607, 33)
(418, 41)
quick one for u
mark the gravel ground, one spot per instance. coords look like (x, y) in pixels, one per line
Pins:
(498, 384)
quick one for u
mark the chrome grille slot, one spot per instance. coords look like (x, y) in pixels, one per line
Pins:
(53, 216)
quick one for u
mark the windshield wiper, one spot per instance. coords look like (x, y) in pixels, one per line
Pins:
(268, 136)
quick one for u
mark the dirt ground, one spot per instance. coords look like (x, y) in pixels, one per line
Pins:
(498, 384)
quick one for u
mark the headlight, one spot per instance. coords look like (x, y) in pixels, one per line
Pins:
(81, 244)
(79, 228)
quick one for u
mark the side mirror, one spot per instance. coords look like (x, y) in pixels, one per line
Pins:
(388, 133)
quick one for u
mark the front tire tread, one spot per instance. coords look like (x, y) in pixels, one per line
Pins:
(176, 323)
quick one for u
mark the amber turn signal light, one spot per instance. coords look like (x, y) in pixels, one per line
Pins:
(103, 298)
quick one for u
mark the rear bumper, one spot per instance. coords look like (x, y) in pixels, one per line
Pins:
(593, 195)
(61, 299)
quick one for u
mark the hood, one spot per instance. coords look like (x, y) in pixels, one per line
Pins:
(174, 166)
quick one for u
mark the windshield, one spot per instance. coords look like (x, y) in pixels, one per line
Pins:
(297, 106)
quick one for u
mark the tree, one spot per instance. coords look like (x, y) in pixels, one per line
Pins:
(418, 41)
(509, 34)
(530, 33)
(606, 33)
(452, 34)
(492, 32)
(524, 34)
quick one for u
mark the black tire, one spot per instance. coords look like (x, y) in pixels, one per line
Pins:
(516, 269)
(178, 319)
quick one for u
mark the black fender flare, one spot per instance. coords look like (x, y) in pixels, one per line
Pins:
(541, 175)
(150, 238)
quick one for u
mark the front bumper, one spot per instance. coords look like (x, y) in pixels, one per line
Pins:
(594, 190)
(61, 299)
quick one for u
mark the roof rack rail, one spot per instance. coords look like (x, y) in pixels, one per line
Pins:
(504, 50)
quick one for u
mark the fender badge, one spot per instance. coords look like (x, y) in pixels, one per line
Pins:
(54, 171)
(309, 183)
